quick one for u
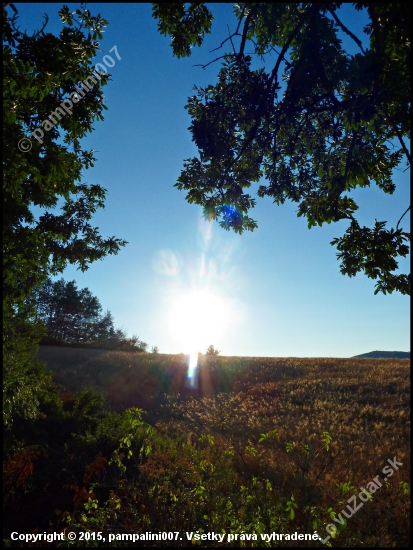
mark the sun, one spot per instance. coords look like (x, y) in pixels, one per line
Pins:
(198, 319)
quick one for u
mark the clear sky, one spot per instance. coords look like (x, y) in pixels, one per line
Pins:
(182, 283)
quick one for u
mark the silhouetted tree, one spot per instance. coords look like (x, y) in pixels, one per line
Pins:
(314, 124)
(73, 316)
(211, 351)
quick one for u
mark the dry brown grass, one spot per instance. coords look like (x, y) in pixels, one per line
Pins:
(363, 404)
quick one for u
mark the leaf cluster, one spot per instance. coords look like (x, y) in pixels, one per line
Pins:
(186, 24)
(309, 128)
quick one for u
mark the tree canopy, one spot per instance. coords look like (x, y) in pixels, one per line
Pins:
(52, 95)
(310, 127)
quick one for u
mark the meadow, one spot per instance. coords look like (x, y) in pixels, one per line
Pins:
(254, 446)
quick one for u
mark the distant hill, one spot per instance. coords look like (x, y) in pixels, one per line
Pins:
(386, 355)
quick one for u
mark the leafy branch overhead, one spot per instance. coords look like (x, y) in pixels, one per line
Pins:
(40, 72)
(310, 127)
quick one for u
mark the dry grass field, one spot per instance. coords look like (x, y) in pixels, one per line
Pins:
(255, 446)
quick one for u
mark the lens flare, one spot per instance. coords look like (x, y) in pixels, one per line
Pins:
(192, 369)
(194, 309)
(166, 263)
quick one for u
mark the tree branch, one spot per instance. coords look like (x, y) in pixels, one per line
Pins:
(232, 43)
(213, 61)
(346, 30)
(236, 33)
(287, 45)
(254, 130)
(245, 30)
(240, 19)
(397, 226)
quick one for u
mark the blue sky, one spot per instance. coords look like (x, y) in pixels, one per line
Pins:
(182, 283)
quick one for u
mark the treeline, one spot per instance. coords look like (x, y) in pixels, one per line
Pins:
(73, 317)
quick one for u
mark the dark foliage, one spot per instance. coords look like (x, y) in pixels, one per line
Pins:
(310, 127)
(46, 207)
(283, 449)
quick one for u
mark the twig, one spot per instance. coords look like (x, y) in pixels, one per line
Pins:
(397, 226)
(230, 37)
(213, 61)
(346, 30)
(236, 33)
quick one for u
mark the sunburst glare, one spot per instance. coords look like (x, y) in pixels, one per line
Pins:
(197, 320)
(201, 298)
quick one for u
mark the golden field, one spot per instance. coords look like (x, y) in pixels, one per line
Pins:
(257, 446)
